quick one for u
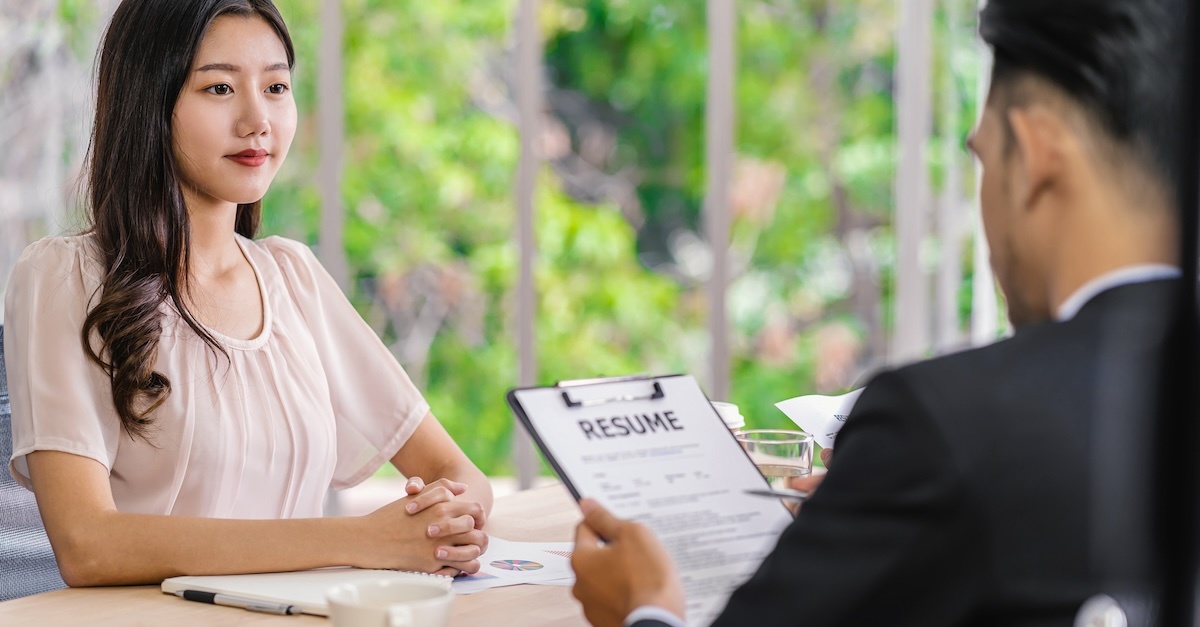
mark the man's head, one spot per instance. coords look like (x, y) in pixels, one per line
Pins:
(1075, 143)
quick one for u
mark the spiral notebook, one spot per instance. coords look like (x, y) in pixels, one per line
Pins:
(305, 589)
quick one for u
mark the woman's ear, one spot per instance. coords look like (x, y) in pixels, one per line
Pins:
(1039, 133)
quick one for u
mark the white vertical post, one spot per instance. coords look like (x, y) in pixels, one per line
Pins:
(331, 132)
(51, 173)
(985, 312)
(529, 104)
(718, 156)
(950, 206)
(910, 334)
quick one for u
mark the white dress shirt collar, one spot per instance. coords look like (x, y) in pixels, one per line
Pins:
(653, 612)
(1124, 276)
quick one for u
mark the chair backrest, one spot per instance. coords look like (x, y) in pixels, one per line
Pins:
(27, 563)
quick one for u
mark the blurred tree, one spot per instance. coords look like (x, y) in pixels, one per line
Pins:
(430, 219)
(621, 263)
(812, 197)
(432, 149)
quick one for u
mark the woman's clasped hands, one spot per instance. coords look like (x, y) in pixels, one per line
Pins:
(430, 530)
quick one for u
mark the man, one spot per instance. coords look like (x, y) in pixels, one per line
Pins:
(961, 489)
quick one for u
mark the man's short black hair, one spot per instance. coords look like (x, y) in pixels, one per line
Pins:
(1116, 59)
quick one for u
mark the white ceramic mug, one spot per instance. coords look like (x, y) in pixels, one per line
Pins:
(391, 603)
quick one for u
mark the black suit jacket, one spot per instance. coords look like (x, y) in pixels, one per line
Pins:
(961, 490)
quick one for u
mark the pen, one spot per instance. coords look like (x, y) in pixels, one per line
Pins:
(781, 493)
(246, 604)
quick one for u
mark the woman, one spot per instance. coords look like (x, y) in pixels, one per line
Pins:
(183, 396)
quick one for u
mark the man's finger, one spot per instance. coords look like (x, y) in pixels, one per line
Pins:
(826, 456)
(585, 538)
(600, 520)
(809, 483)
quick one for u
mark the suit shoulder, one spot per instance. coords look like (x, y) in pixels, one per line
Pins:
(986, 366)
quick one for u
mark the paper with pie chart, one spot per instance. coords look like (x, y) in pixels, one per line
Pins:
(507, 563)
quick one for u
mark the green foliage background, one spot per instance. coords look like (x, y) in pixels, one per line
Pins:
(431, 156)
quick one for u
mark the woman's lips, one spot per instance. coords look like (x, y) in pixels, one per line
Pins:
(250, 158)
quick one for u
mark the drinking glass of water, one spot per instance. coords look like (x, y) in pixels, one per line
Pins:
(779, 455)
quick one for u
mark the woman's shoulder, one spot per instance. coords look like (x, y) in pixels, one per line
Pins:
(62, 255)
(282, 249)
(287, 259)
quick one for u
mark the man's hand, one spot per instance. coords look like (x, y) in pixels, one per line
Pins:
(631, 570)
(810, 483)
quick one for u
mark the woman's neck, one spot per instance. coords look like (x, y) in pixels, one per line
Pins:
(212, 246)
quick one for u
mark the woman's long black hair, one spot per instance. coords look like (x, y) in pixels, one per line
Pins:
(139, 222)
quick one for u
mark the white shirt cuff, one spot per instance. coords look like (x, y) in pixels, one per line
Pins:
(653, 612)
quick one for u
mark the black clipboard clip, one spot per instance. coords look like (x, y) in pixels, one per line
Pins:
(655, 393)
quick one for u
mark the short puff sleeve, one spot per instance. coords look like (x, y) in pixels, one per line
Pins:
(61, 400)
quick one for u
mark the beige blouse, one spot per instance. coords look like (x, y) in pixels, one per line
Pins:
(315, 401)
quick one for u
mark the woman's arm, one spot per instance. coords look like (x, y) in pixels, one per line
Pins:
(97, 545)
(431, 454)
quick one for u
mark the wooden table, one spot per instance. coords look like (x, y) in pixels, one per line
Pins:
(542, 515)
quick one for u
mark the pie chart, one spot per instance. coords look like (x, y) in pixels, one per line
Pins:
(521, 565)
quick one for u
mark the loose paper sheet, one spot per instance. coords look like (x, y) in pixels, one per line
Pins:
(821, 416)
(507, 563)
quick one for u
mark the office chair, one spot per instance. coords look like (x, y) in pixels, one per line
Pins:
(27, 563)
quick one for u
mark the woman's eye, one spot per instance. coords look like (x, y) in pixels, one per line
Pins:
(278, 88)
(220, 90)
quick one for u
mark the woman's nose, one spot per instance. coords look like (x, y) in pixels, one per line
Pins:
(253, 119)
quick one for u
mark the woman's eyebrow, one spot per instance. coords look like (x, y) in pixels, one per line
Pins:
(229, 67)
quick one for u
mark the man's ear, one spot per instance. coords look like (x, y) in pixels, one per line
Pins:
(1040, 134)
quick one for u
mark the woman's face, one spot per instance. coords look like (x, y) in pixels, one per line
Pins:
(235, 117)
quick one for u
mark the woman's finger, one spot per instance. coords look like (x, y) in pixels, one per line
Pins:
(478, 538)
(454, 487)
(450, 527)
(467, 568)
(464, 553)
(428, 498)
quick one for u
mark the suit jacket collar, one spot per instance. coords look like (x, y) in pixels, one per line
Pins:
(1123, 276)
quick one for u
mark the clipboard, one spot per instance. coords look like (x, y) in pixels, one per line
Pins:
(654, 392)
(653, 449)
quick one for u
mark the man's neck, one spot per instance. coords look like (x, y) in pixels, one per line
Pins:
(1104, 231)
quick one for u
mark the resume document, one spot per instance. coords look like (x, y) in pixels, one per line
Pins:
(663, 457)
